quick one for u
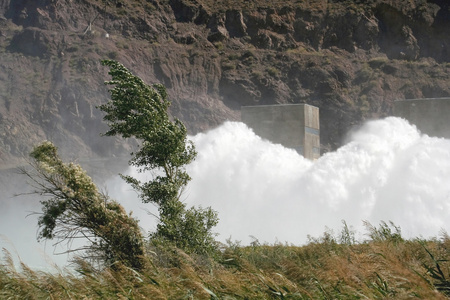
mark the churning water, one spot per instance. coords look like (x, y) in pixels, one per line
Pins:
(387, 171)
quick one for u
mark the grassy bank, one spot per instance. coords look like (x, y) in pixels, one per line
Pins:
(385, 266)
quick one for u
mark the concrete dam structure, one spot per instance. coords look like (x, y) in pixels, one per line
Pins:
(294, 126)
(431, 116)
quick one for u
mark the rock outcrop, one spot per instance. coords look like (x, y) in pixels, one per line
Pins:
(350, 59)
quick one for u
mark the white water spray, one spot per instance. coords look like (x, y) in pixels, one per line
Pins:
(387, 172)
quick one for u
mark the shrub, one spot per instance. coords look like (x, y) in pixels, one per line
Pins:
(76, 209)
(273, 71)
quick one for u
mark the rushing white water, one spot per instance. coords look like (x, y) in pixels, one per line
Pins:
(387, 171)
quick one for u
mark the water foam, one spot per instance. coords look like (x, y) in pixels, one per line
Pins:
(387, 171)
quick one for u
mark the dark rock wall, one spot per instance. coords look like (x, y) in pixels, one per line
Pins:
(351, 60)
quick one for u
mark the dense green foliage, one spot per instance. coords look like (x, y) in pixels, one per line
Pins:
(141, 111)
(74, 208)
(189, 229)
(389, 267)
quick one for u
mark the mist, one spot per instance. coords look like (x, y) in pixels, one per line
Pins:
(387, 171)
(18, 225)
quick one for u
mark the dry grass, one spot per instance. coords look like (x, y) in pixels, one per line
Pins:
(385, 268)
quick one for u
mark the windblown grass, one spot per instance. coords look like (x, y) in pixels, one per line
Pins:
(384, 267)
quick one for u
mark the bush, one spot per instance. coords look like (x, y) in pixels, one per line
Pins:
(76, 209)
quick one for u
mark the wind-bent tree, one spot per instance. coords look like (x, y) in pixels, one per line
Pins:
(141, 111)
(75, 209)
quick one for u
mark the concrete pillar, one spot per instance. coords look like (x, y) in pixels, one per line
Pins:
(294, 126)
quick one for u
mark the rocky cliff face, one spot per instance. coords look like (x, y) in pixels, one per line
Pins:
(350, 59)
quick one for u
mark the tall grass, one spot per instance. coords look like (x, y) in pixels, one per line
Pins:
(385, 266)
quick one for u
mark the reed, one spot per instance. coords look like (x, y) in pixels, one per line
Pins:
(385, 266)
